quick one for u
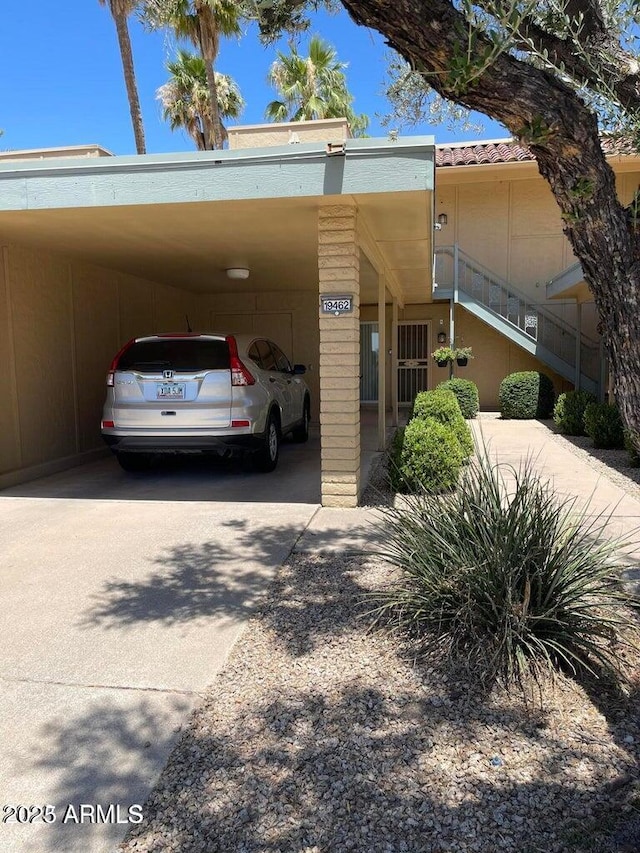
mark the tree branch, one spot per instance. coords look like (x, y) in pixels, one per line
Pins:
(592, 56)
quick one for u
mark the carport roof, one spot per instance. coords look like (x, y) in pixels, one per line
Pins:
(184, 218)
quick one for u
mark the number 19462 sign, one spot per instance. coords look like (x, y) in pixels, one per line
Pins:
(336, 304)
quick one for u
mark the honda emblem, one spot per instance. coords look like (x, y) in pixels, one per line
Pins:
(167, 374)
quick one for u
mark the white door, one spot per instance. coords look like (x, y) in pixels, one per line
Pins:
(413, 360)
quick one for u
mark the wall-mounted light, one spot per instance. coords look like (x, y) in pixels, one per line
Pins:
(237, 272)
(442, 219)
(442, 335)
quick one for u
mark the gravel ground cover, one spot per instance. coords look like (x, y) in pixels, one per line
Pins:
(321, 736)
(613, 464)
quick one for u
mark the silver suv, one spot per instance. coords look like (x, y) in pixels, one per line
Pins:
(203, 393)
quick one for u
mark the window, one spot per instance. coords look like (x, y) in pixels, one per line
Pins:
(267, 360)
(186, 354)
(282, 362)
(254, 355)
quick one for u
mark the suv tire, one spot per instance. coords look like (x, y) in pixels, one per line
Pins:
(301, 433)
(266, 458)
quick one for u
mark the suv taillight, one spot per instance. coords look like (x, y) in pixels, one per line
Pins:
(239, 373)
(116, 359)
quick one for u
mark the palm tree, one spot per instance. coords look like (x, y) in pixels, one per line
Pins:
(312, 87)
(203, 22)
(185, 97)
(120, 11)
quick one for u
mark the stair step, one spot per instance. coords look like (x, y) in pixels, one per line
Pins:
(503, 307)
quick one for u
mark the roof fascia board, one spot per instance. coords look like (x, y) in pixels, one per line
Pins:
(367, 166)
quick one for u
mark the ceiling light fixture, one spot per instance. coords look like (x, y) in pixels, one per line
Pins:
(237, 272)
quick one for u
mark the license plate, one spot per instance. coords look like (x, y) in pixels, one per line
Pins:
(170, 391)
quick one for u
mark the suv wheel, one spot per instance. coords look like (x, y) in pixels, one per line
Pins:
(266, 458)
(135, 461)
(301, 433)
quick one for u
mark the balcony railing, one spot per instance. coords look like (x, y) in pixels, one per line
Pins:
(456, 270)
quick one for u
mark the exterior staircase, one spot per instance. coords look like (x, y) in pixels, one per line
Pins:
(529, 325)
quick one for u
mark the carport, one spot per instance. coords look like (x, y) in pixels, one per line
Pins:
(99, 249)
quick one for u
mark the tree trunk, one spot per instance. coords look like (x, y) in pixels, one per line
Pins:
(130, 81)
(209, 50)
(562, 133)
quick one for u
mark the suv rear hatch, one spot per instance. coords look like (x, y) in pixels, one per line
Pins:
(172, 383)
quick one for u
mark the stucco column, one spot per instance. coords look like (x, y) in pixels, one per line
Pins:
(339, 274)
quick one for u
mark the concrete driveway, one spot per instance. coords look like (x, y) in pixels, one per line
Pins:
(122, 596)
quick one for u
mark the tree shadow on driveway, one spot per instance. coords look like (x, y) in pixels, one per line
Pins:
(110, 752)
(223, 577)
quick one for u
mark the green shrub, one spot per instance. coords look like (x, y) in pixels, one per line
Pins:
(425, 456)
(444, 407)
(603, 424)
(507, 579)
(527, 394)
(466, 394)
(568, 412)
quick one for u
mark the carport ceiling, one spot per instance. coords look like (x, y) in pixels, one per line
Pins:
(190, 245)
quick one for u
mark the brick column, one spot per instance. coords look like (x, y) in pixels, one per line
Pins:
(339, 273)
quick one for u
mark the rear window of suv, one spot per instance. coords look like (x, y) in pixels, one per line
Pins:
(182, 354)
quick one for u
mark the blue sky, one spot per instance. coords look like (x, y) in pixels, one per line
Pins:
(61, 78)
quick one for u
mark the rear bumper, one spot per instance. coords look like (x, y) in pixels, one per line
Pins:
(184, 444)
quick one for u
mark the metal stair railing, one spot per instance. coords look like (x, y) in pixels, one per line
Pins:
(463, 273)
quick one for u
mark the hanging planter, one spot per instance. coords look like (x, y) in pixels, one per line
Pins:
(444, 356)
(462, 356)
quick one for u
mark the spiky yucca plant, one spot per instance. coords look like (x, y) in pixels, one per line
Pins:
(507, 578)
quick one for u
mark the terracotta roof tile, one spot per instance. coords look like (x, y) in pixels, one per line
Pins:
(508, 151)
(482, 153)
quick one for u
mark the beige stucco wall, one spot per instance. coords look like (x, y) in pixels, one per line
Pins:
(287, 133)
(61, 323)
(289, 318)
(512, 227)
(506, 218)
(494, 356)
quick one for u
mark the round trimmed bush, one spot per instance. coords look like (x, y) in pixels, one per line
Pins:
(568, 412)
(425, 457)
(442, 405)
(603, 424)
(466, 394)
(526, 394)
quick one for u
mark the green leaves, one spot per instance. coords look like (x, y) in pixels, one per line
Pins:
(312, 87)
(535, 132)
